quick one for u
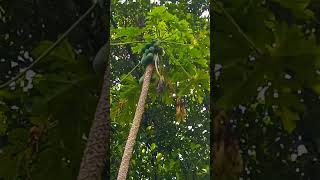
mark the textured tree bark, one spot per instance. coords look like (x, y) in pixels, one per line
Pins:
(124, 166)
(96, 153)
(227, 161)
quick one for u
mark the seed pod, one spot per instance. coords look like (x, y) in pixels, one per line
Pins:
(180, 110)
(99, 62)
(161, 85)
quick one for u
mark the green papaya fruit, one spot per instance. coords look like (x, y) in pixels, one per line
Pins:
(149, 58)
(147, 51)
(99, 62)
(148, 46)
(151, 49)
(144, 60)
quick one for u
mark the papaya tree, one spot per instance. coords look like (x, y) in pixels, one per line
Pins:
(172, 140)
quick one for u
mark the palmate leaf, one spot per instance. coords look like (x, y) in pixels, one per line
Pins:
(290, 41)
(288, 118)
(253, 22)
(63, 51)
(239, 85)
(68, 103)
(287, 54)
(294, 52)
(127, 33)
(226, 43)
(244, 92)
(128, 94)
(58, 90)
(161, 13)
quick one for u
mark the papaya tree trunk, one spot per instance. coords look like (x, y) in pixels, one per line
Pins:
(227, 161)
(96, 153)
(124, 166)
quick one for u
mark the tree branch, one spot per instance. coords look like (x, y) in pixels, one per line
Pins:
(51, 48)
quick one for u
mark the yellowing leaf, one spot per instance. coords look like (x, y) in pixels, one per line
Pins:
(159, 156)
(288, 119)
(153, 146)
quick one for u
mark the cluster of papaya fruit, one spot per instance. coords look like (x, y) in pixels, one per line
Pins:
(149, 51)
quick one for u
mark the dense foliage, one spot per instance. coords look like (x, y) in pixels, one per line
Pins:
(45, 116)
(266, 56)
(266, 67)
(173, 141)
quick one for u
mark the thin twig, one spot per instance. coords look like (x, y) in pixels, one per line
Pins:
(184, 70)
(171, 42)
(130, 72)
(124, 43)
(133, 42)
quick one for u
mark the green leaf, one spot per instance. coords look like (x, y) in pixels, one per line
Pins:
(127, 33)
(5, 94)
(288, 118)
(159, 156)
(291, 42)
(157, 11)
(63, 51)
(153, 146)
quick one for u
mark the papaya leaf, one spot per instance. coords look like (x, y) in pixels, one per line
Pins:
(63, 51)
(288, 118)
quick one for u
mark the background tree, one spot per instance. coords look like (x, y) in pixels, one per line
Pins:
(46, 116)
(173, 140)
